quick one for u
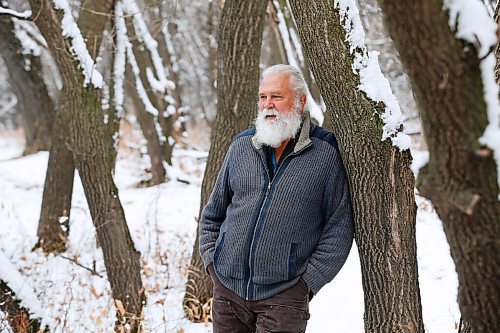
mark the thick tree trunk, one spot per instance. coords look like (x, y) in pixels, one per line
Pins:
(460, 178)
(35, 107)
(239, 41)
(58, 186)
(91, 153)
(17, 316)
(380, 179)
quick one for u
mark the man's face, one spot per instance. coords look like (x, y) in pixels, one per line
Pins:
(275, 93)
(280, 113)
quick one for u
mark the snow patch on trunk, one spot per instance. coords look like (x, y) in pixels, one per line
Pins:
(372, 81)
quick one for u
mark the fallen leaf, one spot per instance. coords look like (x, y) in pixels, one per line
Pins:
(119, 306)
(95, 293)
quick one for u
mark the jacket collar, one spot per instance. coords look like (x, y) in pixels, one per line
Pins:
(303, 139)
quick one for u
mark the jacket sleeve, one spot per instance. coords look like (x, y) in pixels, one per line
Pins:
(214, 213)
(336, 240)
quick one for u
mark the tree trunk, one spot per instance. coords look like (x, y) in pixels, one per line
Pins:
(381, 182)
(35, 107)
(239, 41)
(148, 127)
(58, 186)
(464, 327)
(143, 59)
(461, 177)
(91, 153)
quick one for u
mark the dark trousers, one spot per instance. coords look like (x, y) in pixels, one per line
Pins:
(287, 311)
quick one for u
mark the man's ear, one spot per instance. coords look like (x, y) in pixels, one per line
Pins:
(303, 100)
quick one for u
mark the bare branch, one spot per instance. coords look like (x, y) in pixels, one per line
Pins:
(23, 16)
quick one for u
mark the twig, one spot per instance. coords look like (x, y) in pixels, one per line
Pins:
(92, 271)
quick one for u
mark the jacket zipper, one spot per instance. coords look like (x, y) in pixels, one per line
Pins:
(260, 213)
(253, 239)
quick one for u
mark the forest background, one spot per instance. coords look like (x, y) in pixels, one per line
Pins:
(142, 98)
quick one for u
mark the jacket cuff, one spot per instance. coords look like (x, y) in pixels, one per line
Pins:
(313, 279)
(208, 259)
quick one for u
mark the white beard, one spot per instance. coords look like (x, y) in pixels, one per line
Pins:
(273, 132)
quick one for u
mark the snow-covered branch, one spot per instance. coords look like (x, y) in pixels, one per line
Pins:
(372, 81)
(120, 58)
(70, 30)
(29, 37)
(159, 85)
(6, 11)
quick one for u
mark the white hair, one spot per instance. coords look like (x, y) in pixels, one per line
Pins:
(297, 82)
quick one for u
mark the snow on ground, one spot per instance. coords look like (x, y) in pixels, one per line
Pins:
(162, 223)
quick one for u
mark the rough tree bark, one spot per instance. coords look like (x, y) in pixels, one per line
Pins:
(461, 176)
(239, 40)
(381, 181)
(91, 153)
(58, 186)
(35, 107)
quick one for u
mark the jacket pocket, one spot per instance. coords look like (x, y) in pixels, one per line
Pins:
(275, 263)
(226, 260)
(218, 248)
(292, 261)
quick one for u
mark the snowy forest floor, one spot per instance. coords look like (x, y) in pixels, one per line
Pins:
(162, 222)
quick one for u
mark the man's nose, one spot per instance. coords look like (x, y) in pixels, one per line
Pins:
(268, 103)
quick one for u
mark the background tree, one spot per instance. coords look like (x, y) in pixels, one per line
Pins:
(34, 105)
(380, 179)
(461, 176)
(238, 57)
(91, 153)
(153, 100)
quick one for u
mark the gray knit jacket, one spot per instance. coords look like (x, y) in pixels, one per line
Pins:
(262, 236)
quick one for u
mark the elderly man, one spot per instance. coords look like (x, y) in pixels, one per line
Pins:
(278, 225)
